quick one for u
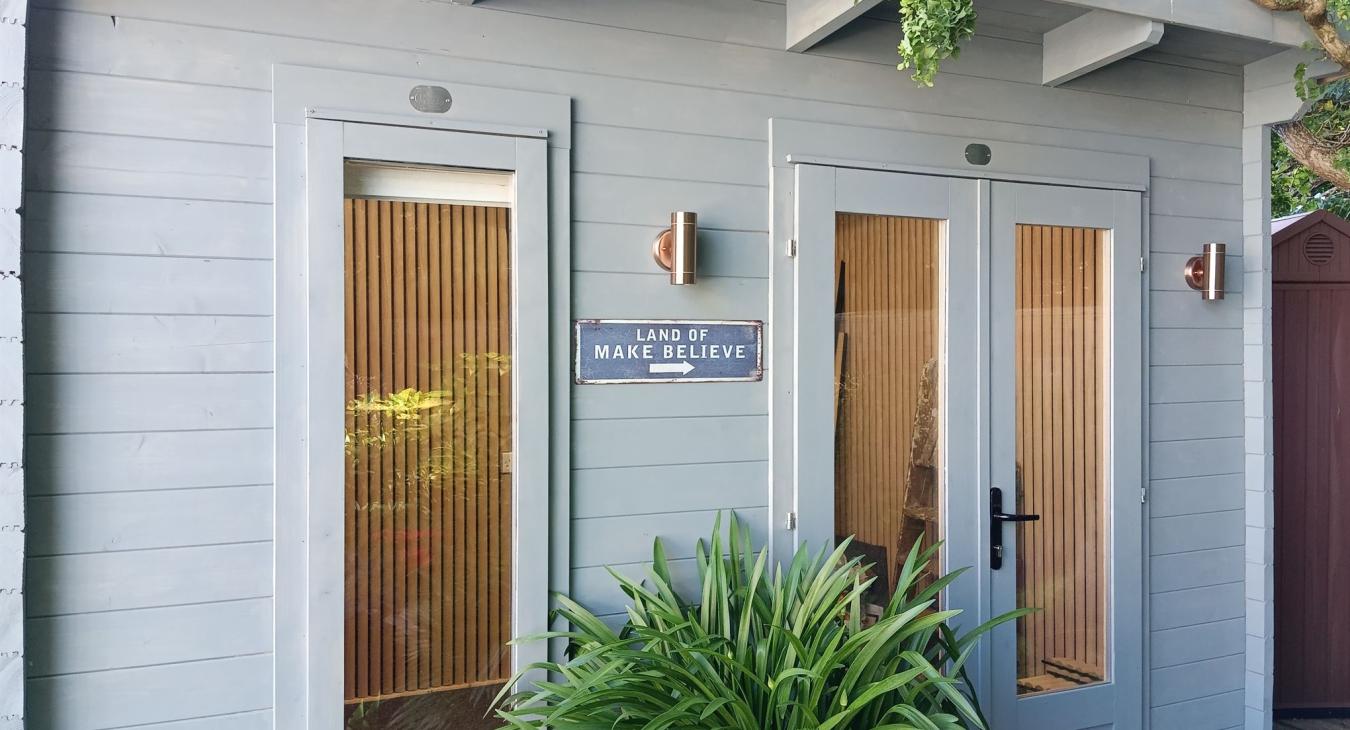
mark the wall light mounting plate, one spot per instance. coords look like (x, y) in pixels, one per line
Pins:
(663, 249)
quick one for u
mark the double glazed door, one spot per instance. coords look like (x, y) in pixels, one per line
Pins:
(968, 370)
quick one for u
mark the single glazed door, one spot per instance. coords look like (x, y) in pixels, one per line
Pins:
(885, 413)
(1065, 440)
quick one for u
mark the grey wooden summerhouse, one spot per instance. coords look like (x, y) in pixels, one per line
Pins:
(309, 314)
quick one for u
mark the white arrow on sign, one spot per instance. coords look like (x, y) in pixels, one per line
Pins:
(682, 368)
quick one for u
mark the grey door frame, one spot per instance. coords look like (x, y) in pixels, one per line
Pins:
(323, 118)
(794, 143)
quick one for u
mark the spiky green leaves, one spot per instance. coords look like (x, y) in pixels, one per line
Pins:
(759, 651)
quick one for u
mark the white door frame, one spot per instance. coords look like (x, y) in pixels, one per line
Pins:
(313, 142)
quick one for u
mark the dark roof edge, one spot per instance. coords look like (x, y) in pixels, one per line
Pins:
(1308, 220)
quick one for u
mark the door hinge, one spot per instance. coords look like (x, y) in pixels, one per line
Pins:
(1143, 264)
(792, 248)
(1143, 495)
(791, 521)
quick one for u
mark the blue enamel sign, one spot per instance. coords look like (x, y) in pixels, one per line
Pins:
(668, 351)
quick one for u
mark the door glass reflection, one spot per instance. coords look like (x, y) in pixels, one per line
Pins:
(1061, 417)
(886, 390)
(428, 478)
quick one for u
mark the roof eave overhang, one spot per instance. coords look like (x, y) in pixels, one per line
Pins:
(811, 21)
(1241, 18)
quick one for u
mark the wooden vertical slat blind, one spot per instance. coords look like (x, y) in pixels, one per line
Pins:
(1060, 461)
(429, 431)
(887, 331)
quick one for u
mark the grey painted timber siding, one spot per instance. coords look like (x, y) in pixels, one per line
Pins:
(149, 293)
(13, 35)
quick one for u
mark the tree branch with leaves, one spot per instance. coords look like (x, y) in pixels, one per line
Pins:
(1320, 139)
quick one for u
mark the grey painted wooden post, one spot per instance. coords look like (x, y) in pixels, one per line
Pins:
(13, 15)
(1268, 98)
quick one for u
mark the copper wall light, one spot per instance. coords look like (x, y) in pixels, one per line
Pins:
(676, 248)
(1204, 273)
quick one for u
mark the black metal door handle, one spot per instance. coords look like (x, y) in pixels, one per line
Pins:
(1002, 517)
(996, 519)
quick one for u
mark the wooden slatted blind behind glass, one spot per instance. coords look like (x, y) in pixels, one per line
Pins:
(1060, 460)
(428, 488)
(887, 320)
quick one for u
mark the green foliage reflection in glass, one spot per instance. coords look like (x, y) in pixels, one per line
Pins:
(759, 652)
(410, 415)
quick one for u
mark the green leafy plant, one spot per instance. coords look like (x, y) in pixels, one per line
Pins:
(1295, 189)
(933, 32)
(787, 651)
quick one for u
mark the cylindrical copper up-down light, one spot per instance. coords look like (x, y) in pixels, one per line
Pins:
(1205, 273)
(676, 248)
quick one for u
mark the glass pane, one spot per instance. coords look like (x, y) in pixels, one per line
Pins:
(1061, 426)
(428, 484)
(886, 345)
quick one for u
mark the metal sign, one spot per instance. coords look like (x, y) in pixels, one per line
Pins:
(668, 351)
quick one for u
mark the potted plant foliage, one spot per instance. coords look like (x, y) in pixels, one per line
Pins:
(754, 651)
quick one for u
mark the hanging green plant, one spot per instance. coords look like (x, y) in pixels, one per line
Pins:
(934, 31)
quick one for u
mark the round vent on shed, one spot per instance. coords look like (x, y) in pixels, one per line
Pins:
(1318, 249)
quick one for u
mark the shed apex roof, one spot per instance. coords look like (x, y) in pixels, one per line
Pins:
(1282, 229)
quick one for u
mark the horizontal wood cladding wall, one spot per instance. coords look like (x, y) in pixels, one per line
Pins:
(149, 275)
